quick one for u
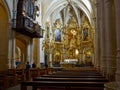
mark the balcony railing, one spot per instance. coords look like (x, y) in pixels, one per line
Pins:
(28, 26)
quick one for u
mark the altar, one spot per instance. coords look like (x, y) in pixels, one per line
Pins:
(68, 63)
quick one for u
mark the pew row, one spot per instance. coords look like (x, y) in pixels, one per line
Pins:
(67, 85)
(16, 75)
(70, 79)
(4, 80)
(36, 72)
(71, 76)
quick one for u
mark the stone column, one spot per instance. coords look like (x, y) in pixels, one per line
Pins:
(36, 52)
(102, 39)
(42, 54)
(109, 39)
(13, 61)
(10, 46)
(28, 51)
(31, 51)
(117, 8)
(97, 38)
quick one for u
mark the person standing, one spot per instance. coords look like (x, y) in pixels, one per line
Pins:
(27, 70)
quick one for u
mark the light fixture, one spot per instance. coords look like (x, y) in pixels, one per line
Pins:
(37, 10)
(37, 13)
(77, 52)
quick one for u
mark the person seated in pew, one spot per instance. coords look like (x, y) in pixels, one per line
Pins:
(46, 66)
(33, 65)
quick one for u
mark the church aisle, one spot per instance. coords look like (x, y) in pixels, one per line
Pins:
(17, 87)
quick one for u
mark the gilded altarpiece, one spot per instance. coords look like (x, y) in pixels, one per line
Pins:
(71, 42)
(67, 42)
(87, 44)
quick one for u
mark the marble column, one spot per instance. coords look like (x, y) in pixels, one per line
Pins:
(117, 8)
(109, 40)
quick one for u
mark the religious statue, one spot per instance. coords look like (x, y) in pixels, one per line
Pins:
(85, 34)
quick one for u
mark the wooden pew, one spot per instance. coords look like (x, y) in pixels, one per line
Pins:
(4, 80)
(34, 72)
(11, 73)
(43, 72)
(64, 79)
(75, 74)
(56, 85)
(21, 75)
(70, 79)
(50, 70)
(71, 76)
(68, 72)
(37, 72)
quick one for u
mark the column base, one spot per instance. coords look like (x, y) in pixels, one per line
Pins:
(110, 76)
(104, 71)
(111, 73)
(118, 79)
(111, 86)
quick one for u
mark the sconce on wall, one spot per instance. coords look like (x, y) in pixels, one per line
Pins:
(37, 11)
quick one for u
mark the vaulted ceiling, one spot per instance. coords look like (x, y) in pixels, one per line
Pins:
(64, 9)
